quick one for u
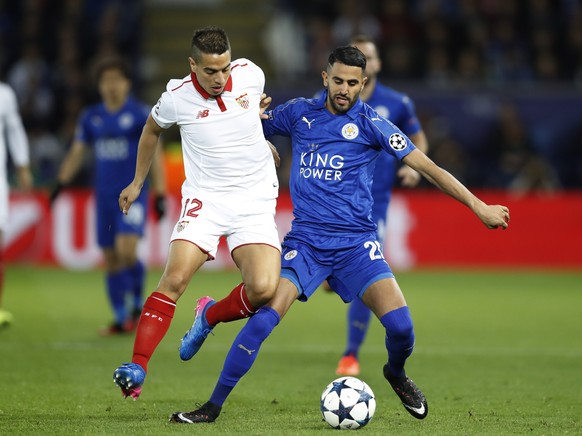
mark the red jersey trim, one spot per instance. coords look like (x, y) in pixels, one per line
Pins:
(181, 84)
(206, 95)
(202, 91)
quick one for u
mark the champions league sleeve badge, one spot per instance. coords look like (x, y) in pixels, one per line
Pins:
(397, 141)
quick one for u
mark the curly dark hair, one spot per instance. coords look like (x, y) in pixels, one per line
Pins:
(347, 55)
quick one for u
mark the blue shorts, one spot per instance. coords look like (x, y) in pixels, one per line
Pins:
(350, 265)
(111, 222)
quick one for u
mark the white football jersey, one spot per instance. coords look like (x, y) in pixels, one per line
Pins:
(224, 149)
(13, 136)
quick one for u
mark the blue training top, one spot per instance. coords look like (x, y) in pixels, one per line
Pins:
(333, 163)
(114, 137)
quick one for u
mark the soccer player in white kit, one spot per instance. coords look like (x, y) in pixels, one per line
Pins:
(230, 190)
(12, 134)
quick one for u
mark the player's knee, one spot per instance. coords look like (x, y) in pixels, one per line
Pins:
(127, 259)
(402, 332)
(399, 326)
(400, 340)
(173, 284)
(261, 289)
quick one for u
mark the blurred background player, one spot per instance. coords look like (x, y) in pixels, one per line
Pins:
(13, 135)
(111, 129)
(399, 109)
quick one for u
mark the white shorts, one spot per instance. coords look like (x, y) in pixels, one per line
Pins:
(204, 222)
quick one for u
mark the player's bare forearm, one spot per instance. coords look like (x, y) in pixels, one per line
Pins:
(24, 177)
(72, 162)
(146, 150)
(493, 216)
(158, 171)
(128, 196)
(409, 177)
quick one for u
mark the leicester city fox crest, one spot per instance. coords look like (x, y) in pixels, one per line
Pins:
(350, 131)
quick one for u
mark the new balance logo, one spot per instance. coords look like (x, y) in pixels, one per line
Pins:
(202, 113)
(242, 347)
(307, 121)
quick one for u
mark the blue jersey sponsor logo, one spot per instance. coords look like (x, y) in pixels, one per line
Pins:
(321, 166)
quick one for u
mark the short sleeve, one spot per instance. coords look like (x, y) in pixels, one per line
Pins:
(164, 111)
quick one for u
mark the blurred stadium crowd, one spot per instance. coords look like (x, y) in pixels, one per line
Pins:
(518, 63)
(449, 42)
(48, 50)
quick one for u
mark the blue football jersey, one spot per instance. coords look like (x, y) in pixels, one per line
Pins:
(114, 138)
(399, 109)
(333, 160)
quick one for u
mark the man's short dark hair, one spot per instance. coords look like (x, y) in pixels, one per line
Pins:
(347, 55)
(209, 40)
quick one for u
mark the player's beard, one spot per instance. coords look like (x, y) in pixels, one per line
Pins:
(341, 109)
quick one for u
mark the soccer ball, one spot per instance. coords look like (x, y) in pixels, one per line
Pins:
(347, 403)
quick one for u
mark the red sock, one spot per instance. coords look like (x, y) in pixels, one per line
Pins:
(154, 322)
(234, 306)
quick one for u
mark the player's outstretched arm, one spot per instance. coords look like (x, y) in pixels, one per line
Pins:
(409, 177)
(158, 174)
(146, 150)
(493, 216)
(24, 178)
(69, 167)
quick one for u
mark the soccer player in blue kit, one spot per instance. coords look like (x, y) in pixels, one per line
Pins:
(336, 140)
(399, 109)
(111, 129)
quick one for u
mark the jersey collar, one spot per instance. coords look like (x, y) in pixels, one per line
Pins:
(202, 91)
(352, 113)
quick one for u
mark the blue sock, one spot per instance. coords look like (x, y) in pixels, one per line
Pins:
(358, 321)
(243, 352)
(137, 276)
(117, 286)
(399, 338)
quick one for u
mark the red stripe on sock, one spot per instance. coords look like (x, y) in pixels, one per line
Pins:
(234, 306)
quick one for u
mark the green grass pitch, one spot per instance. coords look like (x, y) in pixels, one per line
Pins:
(497, 352)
